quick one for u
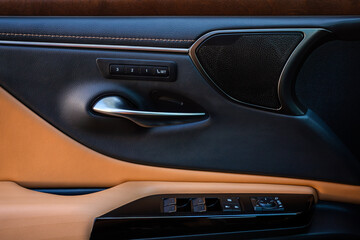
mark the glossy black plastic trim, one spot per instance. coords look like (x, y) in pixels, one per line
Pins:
(69, 191)
(143, 218)
(104, 65)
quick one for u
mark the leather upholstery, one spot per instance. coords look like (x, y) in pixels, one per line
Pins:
(35, 154)
(177, 8)
(155, 31)
(26, 214)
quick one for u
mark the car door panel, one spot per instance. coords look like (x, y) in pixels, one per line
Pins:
(70, 82)
(54, 70)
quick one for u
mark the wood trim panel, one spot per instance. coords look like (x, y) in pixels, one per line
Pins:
(26, 214)
(177, 8)
(35, 154)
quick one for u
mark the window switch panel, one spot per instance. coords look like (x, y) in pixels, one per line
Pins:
(169, 201)
(170, 209)
(198, 201)
(199, 208)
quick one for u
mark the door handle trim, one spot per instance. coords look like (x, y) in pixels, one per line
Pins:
(110, 106)
(118, 107)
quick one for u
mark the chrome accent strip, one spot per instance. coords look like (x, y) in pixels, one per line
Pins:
(95, 46)
(287, 103)
(206, 216)
(112, 106)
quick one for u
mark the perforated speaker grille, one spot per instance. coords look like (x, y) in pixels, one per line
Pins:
(247, 66)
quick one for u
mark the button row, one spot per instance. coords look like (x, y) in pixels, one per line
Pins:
(230, 204)
(157, 71)
(223, 204)
(201, 204)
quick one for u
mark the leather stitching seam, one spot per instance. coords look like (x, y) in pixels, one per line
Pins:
(95, 37)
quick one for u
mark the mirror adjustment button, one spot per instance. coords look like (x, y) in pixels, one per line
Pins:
(267, 204)
(199, 208)
(117, 69)
(198, 201)
(161, 71)
(169, 201)
(147, 71)
(132, 70)
(170, 209)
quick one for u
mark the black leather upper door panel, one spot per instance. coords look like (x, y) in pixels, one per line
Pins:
(176, 32)
(328, 83)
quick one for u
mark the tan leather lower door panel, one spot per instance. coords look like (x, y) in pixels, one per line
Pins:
(26, 214)
(35, 154)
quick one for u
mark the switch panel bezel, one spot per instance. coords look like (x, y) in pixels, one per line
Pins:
(145, 213)
(104, 65)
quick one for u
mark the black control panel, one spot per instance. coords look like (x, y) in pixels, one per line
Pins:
(192, 214)
(201, 205)
(137, 69)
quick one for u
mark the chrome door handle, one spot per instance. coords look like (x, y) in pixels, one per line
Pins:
(119, 107)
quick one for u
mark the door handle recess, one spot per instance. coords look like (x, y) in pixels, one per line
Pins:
(119, 107)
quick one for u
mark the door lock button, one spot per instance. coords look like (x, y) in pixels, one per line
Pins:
(231, 204)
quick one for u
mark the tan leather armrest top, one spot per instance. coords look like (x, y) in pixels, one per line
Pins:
(35, 154)
(27, 214)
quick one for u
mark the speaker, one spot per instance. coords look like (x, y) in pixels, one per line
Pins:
(246, 67)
